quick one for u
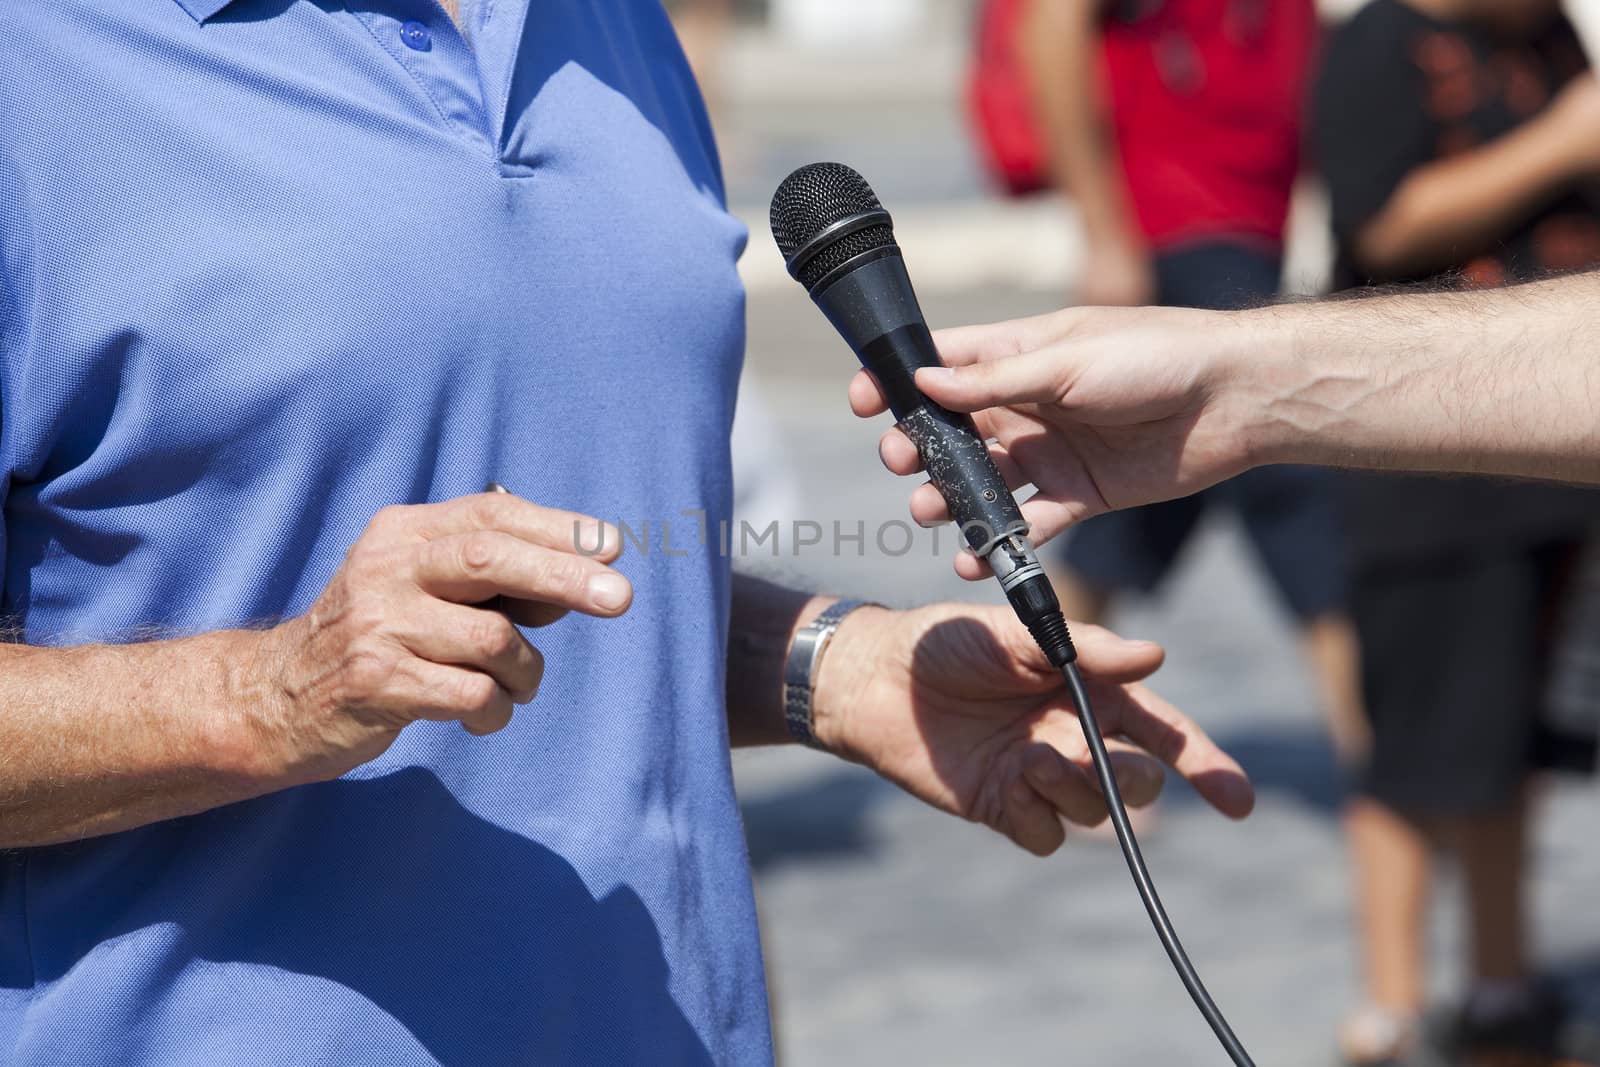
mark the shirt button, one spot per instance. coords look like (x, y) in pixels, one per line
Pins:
(416, 36)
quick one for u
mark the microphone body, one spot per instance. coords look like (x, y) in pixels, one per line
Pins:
(853, 268)
(875, 309)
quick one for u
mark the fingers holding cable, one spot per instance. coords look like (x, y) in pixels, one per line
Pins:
(1056, 786)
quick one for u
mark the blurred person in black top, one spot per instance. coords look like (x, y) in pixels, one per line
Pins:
(1457, 138)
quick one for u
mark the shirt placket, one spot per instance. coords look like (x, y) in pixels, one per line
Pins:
(422, 37)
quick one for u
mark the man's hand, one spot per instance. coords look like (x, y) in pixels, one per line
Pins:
(1098, 408)
(955, 704)
(415, 626)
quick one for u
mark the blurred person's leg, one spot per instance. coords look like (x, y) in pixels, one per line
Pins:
(1491, 852)
(1334, 652)
(1393, 868)
(1506, 1011)
(1449, 662)
(1506, 1007)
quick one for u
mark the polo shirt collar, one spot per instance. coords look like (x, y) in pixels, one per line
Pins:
(201, 10)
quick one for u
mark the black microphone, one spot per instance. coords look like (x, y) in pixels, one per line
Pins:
(838, 242)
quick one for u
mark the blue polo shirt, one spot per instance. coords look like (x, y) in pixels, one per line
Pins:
(266, 267)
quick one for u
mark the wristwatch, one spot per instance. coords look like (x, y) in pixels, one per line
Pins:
(800, 669)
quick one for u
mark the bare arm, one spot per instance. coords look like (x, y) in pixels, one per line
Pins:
(1105, 408)
(1452, 209)
(104, 738)
(1059, 43)
(765, 619)
(1504, 382)
(109, 737)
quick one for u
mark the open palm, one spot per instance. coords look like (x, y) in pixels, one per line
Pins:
(962, 710)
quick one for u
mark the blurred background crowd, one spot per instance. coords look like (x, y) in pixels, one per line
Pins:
(1409, 668)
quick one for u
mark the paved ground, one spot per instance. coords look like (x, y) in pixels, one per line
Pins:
(897, 935)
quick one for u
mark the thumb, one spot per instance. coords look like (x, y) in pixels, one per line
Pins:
(1027, 379)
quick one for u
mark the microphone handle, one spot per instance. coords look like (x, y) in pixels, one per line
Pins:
(959, 465)
(875, 309)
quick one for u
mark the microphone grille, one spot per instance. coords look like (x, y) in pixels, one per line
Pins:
(815, 197)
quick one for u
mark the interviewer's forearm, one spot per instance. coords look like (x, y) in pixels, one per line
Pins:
(103, 738)
(1502, 382)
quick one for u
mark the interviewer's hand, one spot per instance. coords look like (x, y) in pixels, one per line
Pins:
(404, 630)
(955, 704)
(1098, 408)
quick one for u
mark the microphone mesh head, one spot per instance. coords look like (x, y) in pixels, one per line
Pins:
(815, 197)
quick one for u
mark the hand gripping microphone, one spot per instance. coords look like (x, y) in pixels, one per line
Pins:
(838, 242)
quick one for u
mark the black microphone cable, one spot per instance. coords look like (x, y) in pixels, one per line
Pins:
(1141, 874)
(838, 242)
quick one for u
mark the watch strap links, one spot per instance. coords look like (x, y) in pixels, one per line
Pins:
(800, 668)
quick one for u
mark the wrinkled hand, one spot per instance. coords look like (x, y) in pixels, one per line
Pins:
(418, 623)
(1097, 408)
(955, 704)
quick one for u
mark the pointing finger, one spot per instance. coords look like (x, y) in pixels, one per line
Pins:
(474, 567)
(504, 513)
(1147, 720)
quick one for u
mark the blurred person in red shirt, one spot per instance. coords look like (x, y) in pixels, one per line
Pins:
(1176, 128)
(1456, 137)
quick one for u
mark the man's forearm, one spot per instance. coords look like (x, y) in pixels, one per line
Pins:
(766, 618)
(103, 738)
(1502, 382)
(1458, 206)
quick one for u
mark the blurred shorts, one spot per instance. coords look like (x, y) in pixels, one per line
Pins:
(1290, 513)
(1454, 652)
